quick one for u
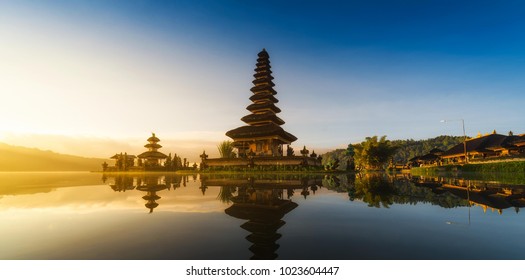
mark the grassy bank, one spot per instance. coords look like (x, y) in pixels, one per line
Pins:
(499, 167)
(506, 172)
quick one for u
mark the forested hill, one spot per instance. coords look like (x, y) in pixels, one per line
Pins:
(15, 158)
(411, 148)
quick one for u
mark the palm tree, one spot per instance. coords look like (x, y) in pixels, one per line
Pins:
(226, 149)
(226, 194)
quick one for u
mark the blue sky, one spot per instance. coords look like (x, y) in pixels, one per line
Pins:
(113, 71)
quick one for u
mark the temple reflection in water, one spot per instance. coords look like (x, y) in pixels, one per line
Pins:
(377, 190)
(149, 184)
(264, 201)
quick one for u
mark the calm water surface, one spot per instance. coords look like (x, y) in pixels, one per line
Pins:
(91, 216)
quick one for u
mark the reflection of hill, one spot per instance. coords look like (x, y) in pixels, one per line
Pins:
(17, 183)
(14, 158)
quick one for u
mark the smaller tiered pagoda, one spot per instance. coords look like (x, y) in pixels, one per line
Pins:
(152, 157)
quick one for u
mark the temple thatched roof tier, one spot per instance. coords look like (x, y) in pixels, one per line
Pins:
(116, 156)
(264, 96)
(153, 138)
(267, 73)
(266, 117)
(153, 146)
(263, 88)
(267, 130)
(153, 154)
(264, 80)
(262, 106)
(263, 53)
(481, 144)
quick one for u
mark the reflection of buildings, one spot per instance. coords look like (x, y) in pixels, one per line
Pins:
(263, 204)
(149, 184)
(487, 195)
(261, 142)
(264, 210)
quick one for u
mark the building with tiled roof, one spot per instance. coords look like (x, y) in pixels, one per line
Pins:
(484, 147)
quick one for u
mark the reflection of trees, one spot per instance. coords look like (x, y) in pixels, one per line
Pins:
(380, 190)
(374, 189)
(339, 183)
(123, 183)
(411, 193)
(226, 194)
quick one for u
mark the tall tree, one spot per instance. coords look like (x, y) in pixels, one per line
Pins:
(373, 153)
(338, 159)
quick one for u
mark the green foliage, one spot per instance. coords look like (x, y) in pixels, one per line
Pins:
(350, 150)
(517, 167)
(410, 148)
(375, 190)
(226, 194)
(511, 172)
(379, 190)
(338, 159)
(226, 149)
(373, 153)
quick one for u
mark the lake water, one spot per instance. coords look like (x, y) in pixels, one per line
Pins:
(346, 217)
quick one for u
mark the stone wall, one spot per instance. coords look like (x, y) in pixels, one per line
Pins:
(264, 161)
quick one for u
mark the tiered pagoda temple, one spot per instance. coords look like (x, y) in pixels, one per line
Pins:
(263, 136)
(150, 160)
(261, 141)
(152, 156)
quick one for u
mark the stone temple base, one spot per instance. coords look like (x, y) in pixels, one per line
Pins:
(263, 161)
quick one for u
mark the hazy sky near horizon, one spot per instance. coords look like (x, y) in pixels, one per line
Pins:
(111, 72)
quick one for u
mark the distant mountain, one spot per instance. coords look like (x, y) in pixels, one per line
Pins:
(15, 158)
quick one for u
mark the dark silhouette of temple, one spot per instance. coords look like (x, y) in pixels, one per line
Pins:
(263, 136)
(150, 160)
(264, 209)
(261, 141)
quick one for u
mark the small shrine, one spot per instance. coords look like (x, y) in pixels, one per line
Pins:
(150, 160)
(152, 157)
